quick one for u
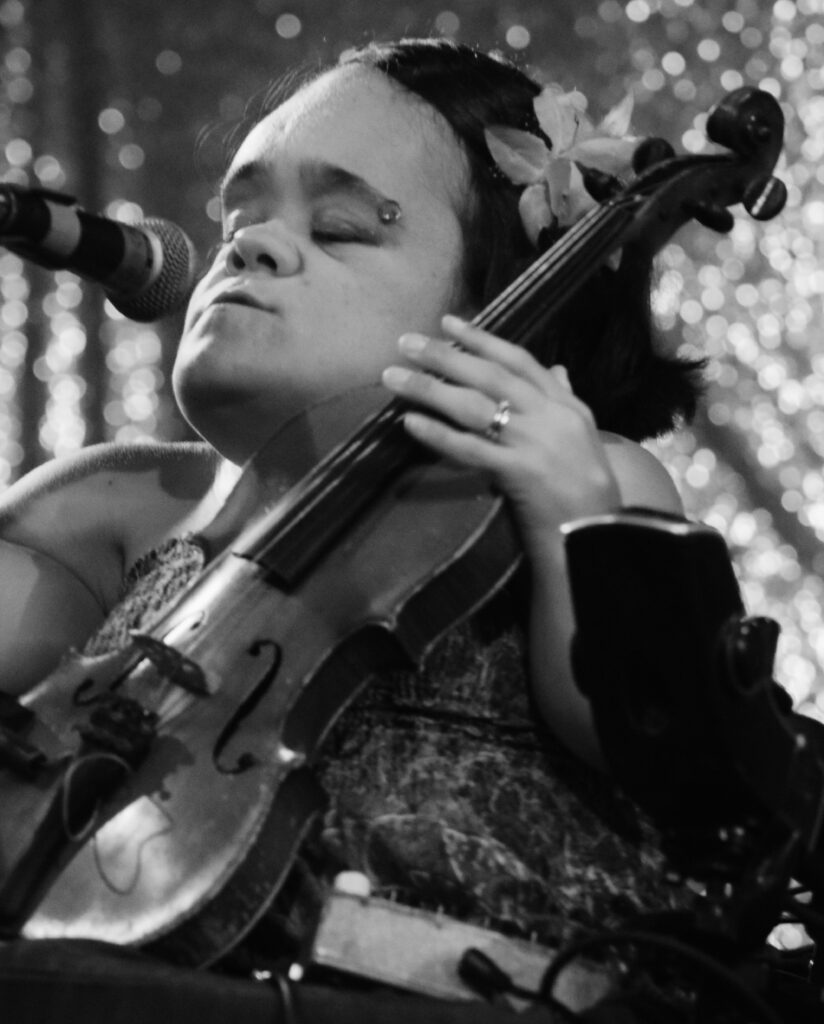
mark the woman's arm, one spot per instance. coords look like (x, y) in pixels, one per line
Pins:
(637, 478)
(68, 532)
(54, 548)
(44, 610)
(550, 461)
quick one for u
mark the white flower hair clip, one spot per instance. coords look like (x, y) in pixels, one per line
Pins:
(555, 193)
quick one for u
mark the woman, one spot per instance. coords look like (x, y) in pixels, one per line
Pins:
(363, 209)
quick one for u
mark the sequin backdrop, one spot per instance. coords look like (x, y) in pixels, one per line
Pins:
(129, 106)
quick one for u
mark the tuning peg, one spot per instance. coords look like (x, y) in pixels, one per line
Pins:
(764, 200)
(718, 218)
(649, 152)
(600, 186)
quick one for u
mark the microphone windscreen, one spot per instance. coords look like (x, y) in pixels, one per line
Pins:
(171, 288)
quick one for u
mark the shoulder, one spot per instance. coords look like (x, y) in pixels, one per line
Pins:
(116, 473)
(94, 511)
(108, 464)
(642, 479)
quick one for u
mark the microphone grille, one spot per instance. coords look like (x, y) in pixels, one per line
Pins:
(171, 288)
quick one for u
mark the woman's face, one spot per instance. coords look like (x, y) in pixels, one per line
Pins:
(310, 295)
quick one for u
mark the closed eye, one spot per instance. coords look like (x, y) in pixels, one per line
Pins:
(343, 234)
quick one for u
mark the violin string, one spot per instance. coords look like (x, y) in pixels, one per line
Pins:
(124, 677)
(172, 699)
(533, 315)
(325, 494)
(331, 480)
(599, 220)
(604, 221)
(173, 708)
(540, 270)
(602, 225)
(328, 486)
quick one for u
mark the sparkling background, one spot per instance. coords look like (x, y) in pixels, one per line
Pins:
(148, 135)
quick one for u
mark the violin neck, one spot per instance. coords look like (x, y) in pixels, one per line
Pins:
(288, 542)
(535, 297)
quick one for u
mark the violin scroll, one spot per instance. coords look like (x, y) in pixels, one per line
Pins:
(668, 191)
(749, 121)
(655, 152)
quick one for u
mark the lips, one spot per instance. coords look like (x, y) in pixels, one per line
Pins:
(240, 298)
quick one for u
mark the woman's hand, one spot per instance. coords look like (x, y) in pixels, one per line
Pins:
(545, 453)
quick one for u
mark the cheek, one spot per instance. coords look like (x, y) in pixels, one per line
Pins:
(196, 298)
(420, 305)
(437, 287)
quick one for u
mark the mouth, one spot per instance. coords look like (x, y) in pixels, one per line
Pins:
(239, 299)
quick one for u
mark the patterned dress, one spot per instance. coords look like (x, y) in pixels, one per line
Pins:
(445, 791)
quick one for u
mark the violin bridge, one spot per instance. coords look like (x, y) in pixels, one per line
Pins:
(172, 665)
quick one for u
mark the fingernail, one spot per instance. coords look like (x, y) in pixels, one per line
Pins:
(396, 376)
(411, 343)
(454, 323)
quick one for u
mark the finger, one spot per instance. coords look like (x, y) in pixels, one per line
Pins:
(551, 381)
(513, 358)
(441, 359)
(459, 446)
(466, 407)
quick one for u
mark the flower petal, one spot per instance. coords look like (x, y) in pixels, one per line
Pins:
(603, 153)
(535, 210)
(521, 156)
(557, 181)
(616, 121)
(560, 115)
(579, 201)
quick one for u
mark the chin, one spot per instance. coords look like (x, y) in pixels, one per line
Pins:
(236, 422)
(219, 428)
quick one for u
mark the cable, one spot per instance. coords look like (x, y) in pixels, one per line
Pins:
(726, 979)
(482, 974)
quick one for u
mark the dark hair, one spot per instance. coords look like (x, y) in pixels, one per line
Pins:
(604, 334)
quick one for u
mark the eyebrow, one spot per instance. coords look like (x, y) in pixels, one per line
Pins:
(318, 178)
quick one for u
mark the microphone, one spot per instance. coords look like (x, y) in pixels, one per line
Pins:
(146, 269)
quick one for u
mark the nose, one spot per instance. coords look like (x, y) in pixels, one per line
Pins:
(264, 247)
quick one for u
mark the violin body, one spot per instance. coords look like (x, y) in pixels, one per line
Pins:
(193, 845)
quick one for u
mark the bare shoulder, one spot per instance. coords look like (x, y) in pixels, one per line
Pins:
(96, 510)
(119, 473)
(642, 479)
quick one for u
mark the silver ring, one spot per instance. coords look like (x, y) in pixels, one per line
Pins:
(498, 422)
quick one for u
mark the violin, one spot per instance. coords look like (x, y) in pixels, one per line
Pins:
(158, 797)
